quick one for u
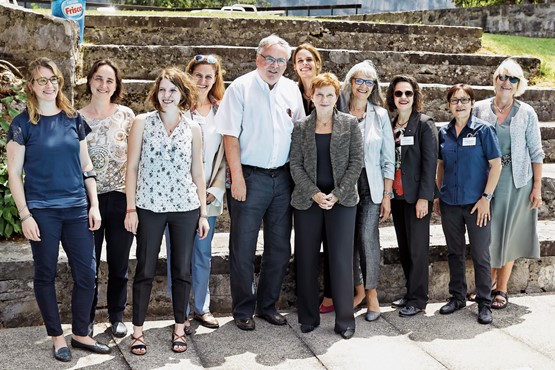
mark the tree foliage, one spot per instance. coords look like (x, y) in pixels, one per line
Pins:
(192, 3)
(475, 3)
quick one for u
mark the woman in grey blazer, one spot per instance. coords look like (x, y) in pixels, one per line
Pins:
(326, 160)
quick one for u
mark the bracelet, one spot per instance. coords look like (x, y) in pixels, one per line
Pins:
(28, 216)
(388, 193)
(22, 208)
(203, 216)
(131, 210)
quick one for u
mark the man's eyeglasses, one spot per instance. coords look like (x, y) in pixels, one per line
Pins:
(456, 101)
(271, 60)
(400, 93)
(43, 80)
(360, 81)
(512, 79)
(206, 58)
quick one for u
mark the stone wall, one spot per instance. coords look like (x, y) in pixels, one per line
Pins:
(27, 35)
(520, 20)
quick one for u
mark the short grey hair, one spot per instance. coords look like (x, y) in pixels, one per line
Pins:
(510, 67)
(366, 68)
(273, 39)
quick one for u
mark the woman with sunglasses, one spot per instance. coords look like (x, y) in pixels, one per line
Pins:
(362, 98)
(168, 190)
(518, 194)
(110, 124)
(207, 73)
(413, 188)
(47, 141)
(467, 173)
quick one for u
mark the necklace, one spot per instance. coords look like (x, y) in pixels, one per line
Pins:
(401, 125)
(501, 110)
(323, 123)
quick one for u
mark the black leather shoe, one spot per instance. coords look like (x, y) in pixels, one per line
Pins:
(347, 333)
(119, 330)
(399, 303)
(274, 318)
(95, 348)
(63, 354)
(484, 315)
(245, 324)
(306, 328)
(452, 306)
(409, 311)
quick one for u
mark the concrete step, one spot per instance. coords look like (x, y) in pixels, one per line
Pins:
(178, 30)
(143, 62)
(540, 98)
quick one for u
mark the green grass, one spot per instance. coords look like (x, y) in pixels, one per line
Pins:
(541, 48)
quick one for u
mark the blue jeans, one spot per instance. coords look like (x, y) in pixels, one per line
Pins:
(200, 269)
(71, 227)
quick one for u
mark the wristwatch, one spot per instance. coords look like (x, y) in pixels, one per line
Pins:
(89, 174)
(388, 193)
(487, 196)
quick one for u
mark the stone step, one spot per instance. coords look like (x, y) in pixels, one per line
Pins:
(178, 30)
(540, 98)
(143, 62)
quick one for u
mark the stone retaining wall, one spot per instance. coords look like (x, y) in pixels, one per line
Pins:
(521, 20)
(27, 35)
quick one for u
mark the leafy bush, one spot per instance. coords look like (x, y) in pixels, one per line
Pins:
(474, 3)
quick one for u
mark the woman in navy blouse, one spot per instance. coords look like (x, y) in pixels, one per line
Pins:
(47, 141)
(467, 173)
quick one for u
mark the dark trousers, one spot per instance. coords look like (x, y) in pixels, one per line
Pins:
(118, 244)
(338, 225)
(413, 238)
(454, 219)
(182, 227)
(268, 202)
(71, 227)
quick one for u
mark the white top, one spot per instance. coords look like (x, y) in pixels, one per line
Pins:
(261, 118)
(165, 183)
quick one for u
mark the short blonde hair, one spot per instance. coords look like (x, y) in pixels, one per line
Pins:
(510, 67)
(326, 79)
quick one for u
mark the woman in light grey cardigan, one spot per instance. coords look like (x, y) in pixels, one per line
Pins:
(518, 194)
(326, 160)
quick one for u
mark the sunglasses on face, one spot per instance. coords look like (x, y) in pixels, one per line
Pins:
(512, 79)
(456, 101)
(400, 93)
(360, 81)
(206, 58)
(269, 60)
(43, 80)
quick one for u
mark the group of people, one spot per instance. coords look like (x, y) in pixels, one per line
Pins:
(321, 150)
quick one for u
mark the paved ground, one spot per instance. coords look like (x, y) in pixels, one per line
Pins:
(521, 337)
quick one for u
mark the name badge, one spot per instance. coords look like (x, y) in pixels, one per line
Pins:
(469, 141)
(407, 140)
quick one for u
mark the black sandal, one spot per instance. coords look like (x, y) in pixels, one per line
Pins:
(140, 346)
(498, 303)
(179, 341)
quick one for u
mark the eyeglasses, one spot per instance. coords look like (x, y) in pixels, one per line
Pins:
(43, 80)
(512, 79)
(456, 101)
(271, 60)
(206, 58)
(360, 81)
(400, 93)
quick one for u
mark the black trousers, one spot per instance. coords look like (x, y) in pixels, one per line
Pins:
(338, 225)
(118, 244)
(413, 238)
(454, 219)
(182, 227)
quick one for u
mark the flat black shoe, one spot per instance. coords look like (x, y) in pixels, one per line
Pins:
(409, 311)
(347, 333)
(119, 330)
(484, 315)
(274, 318)
(63, 354)
(245, 324)
(95, 348)
(452, 306)
(399, 303)
(306, 328)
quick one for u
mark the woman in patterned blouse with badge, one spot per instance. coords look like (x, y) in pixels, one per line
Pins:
(165, 187)
(110, 124)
